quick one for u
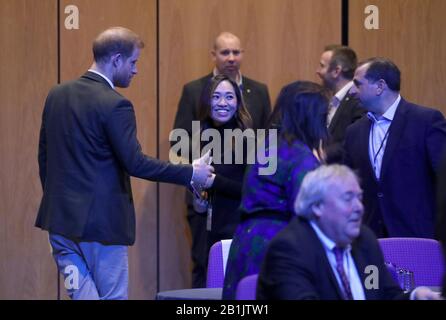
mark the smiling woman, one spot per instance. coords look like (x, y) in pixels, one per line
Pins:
(266, 207)
(222, 109)
(223, 103)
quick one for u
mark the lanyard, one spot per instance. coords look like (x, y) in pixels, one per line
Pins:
(375, 155)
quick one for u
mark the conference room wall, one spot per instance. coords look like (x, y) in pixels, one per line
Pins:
(272, 33)
(76, 58)
(283, 40)
(411, 33)
(28, 69)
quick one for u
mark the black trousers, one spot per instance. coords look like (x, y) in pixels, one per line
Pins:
(199, 251)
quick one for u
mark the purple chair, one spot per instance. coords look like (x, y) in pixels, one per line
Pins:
(246, 288)
(218, 256)
(421, 256)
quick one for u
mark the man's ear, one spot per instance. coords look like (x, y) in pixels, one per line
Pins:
(317, 209)
(116, 60)
(381, 86)
(213, 54)
(336, 71)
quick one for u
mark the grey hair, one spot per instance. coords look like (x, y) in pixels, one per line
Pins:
(315, 186)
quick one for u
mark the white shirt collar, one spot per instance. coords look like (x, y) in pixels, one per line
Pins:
(343, 92)
(103, 76)
(239, 83)
(326, 241)
(389, 114)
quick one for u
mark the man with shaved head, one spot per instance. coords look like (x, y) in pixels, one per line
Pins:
(87, 152)
(227, 55)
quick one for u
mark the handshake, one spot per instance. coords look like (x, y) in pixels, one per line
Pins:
(203, 176)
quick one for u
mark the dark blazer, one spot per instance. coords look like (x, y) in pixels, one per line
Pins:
(296, 267)
(255, 95)
(226, 191)
(441, 212)
(348, 112)
(402, 203)
(87, 152)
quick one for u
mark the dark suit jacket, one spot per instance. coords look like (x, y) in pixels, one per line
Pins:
(255, 95)
(87, 151)
(348, 112)
(226, 191)
(402, 203)
(296, 267)
(441, 215)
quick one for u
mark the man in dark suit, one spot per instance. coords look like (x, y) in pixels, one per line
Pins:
(325, 253)
(87, 151)
(396, 150)
(336, 69)
(441, 213)
(227, 55)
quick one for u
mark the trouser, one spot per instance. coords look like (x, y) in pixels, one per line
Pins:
(91, 270)
(199, 252)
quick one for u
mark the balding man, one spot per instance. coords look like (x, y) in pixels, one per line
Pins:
(227, 54)
(396, 150)
(87, 152)
(325, 253)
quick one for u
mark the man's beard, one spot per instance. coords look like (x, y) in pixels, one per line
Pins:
(122, 81)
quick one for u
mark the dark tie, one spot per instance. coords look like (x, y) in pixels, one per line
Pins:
(341, 272)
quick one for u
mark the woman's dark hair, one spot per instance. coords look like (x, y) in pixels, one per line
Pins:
(300, 113)
(242, 116)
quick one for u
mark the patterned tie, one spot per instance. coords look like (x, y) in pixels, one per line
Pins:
(339, 253)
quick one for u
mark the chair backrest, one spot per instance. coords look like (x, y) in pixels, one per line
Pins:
(246, 288)
(421, 256)
(218, 256)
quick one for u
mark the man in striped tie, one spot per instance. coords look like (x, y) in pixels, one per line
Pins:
(325, 252)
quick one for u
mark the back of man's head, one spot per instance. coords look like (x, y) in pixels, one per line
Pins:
(115, 40)
(382, 68)
(344, 57)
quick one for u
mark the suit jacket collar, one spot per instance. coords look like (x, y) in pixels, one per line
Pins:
(246, 83)
(396, 130)
(363, 142)
(95, 77)
(324, 259)
(240, 84)
(361, 263)
(339, 114)
(357, 253)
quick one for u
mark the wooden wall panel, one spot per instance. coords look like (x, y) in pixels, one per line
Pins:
(28, 35)
(283, 40)
(411, 33)
(76, 58)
